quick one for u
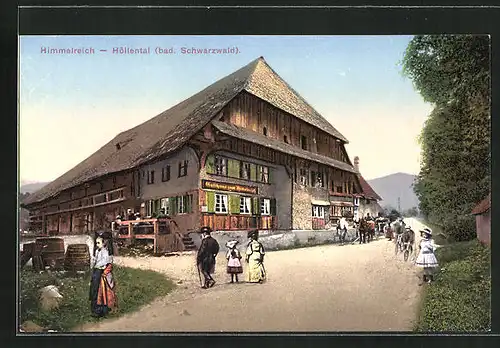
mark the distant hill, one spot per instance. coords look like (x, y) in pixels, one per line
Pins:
(32, 187)
(25, 190)
(396, 185)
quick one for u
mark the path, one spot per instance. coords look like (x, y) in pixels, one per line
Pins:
(325, 288)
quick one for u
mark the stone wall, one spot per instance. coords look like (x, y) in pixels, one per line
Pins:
(279, 239)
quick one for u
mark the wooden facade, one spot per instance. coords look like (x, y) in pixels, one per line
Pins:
(85, 208)
(250, 112)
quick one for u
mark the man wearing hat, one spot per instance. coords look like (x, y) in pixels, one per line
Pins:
(426, 258)
(205, 259)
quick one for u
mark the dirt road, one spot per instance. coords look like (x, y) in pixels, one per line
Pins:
(325, 288)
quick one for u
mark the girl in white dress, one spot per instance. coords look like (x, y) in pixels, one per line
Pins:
(426, 258)
(233, 257)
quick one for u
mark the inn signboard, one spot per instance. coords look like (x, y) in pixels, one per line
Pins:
(222, 186)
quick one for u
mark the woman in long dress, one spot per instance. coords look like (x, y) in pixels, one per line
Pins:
(102, 295)
(255, 258)
(426, 258)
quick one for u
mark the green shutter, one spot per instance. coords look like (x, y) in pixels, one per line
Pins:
(185, 203)
(233, 168)
(173, 205)
(273, 207)
(210, 164)
(234, 204)
(269, 173)
(253, 172)
(210, 199)
(256, 205)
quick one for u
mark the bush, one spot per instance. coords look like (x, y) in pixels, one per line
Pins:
(460, 227)
(134, 288)
(459, 299)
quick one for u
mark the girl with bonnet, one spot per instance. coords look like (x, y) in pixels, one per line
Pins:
(102, 295)
(426, 258)
(233, 257)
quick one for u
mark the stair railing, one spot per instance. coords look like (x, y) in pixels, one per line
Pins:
(178, 243)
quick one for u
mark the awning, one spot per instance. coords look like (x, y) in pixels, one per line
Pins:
(318, 202)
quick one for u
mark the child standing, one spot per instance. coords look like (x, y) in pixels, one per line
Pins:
(233, 257)
(426, 258)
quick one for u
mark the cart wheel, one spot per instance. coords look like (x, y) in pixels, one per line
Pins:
(406, 254)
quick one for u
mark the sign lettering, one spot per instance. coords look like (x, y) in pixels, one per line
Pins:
(221, 186)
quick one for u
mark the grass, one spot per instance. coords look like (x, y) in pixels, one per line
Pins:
(134, 288)
(459, 299)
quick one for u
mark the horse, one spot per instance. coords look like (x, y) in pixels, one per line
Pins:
(371, 230)
(364, 230)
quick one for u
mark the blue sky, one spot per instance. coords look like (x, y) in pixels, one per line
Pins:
(71, 105)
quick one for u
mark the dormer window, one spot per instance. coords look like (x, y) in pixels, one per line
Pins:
(264, 131)
(118, 146)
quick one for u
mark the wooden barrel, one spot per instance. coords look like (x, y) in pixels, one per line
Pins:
(51, 251)
(77, 258)
(54, 259)
(50, 244)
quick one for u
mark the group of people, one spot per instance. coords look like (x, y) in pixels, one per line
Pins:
(426, 257)
(254, 257)
(102, 285)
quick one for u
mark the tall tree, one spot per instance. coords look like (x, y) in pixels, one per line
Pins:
(453, 73)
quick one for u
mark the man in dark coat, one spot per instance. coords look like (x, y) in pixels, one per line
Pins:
(205, 259)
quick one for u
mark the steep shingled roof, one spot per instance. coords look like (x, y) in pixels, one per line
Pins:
(172, 128)
(483, 206)
(368, 191)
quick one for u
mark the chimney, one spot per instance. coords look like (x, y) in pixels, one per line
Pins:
(356, 163)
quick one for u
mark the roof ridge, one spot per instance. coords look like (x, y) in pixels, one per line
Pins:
(298, 95)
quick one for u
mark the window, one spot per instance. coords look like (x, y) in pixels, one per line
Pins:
(263, 174)
(303, 142)
(318, 211)
(220, 166)
(245, 204)
(339, 189)
(245, 170)
(165, 173)
(221, 204)
(264, 131)
(356, 200)
(265, 206)
(183, 168)
(164, 204)
(150, 207)
(303, 177)
(114, 181)
(151, 177)
(181, 204)
(317, 179)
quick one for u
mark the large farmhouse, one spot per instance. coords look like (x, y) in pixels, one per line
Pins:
(246, 152)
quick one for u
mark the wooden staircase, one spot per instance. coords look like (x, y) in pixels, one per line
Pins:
(188, 243)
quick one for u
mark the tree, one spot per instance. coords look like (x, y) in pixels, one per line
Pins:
(452, 73)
